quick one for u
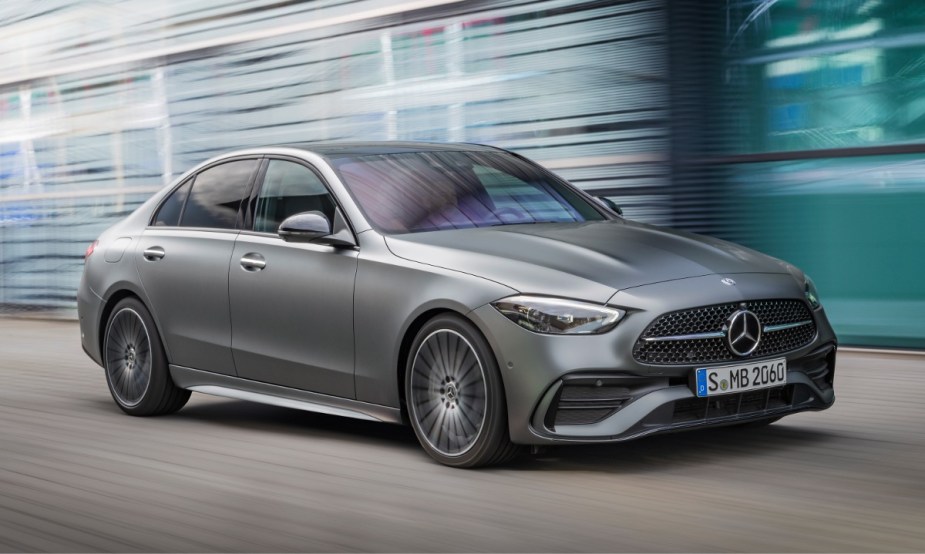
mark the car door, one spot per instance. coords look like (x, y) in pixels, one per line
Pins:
(292, 303)
(183, 259)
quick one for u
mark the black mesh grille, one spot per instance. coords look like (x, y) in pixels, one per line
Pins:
(583, 404)
(785, 340)
(584, 416)
(709, 319)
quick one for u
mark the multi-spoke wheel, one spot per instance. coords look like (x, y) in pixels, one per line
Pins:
(454, 395)
(135, 363)
(448, 392)
(128, 357)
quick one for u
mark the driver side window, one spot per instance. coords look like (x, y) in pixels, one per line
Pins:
(289, 188)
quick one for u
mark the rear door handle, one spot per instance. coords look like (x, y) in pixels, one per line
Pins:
(154, 253)
(253, 261)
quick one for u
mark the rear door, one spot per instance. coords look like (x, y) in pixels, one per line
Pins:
(183, 260)
(292, 310)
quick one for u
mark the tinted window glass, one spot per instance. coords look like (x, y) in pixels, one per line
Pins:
(290, 188)
(515, 199)
(427, 191)
(217, 194)
(169, 213)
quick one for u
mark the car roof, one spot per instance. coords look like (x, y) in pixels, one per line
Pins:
(386, 147)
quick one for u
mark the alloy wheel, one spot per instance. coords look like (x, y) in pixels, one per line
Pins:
(448, 392)
(128, 357)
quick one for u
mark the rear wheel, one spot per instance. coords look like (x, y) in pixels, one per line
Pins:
(455, 396)
(136, 365)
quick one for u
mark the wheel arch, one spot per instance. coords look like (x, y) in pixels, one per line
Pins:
(410, 333)
(404, 350)
(116, 295)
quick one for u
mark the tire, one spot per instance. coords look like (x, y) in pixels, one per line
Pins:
(455, 397)
(136, 365)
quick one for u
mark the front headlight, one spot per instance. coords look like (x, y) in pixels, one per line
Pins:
(811, 295)
(556, 316)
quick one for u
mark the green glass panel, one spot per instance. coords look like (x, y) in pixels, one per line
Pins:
(856, 226)
(821, 75)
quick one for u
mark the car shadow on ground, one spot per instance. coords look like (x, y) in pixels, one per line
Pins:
(655, 453)
(676, 450)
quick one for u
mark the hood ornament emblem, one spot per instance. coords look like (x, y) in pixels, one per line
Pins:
(728, 281)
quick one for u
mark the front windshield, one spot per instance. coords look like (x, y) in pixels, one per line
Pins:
(428, 191)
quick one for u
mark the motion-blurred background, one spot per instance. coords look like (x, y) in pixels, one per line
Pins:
(796, 127)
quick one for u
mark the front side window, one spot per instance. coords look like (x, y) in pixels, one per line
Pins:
(289, 188)
(217, 194)
(429, 191)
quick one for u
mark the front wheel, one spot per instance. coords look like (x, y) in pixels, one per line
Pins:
(455, 396)
(136, 364)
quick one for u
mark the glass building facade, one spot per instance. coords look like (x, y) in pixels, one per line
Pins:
(829, 153)
(792, 126)
(103, 103)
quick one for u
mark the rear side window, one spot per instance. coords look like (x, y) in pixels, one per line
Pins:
(169, 213)
(217, 194)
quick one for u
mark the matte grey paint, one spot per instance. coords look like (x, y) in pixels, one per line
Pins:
(304, 227)
(390, 295)
(292, 321)
(329, 322)
(188, 293)
(589, 260)
(114, 253)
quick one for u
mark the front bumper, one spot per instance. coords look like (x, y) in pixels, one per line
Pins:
(588, 389)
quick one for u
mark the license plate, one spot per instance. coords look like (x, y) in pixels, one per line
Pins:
(728, 379)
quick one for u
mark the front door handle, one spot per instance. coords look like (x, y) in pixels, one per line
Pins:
(253, 262)
(154, 253)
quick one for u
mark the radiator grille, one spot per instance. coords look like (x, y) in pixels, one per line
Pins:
(712, 319)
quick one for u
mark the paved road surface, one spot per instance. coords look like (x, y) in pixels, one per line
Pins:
(77, 475)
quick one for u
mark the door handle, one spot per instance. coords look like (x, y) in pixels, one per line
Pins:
(154, 253)
(253, 262)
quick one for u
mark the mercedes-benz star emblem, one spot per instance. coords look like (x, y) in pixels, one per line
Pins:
(728, 281)
(744, 332)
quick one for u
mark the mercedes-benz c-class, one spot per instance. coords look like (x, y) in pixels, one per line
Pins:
(461, 289)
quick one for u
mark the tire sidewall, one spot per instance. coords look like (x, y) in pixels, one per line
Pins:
(494, 428)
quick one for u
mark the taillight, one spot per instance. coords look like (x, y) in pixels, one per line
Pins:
(91, 248)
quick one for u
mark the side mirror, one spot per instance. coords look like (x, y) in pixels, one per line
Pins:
(610, 205)
(304, 227)
(316, 228)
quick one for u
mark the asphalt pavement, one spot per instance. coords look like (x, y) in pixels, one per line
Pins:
(223, 475)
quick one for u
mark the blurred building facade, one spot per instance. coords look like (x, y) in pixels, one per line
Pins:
(827, 165)
(789, 126)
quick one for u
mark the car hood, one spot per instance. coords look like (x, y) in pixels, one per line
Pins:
(590, 260)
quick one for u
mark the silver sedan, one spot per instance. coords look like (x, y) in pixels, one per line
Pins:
(462, 289)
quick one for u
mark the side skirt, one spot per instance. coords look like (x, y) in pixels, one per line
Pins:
(264, 393)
